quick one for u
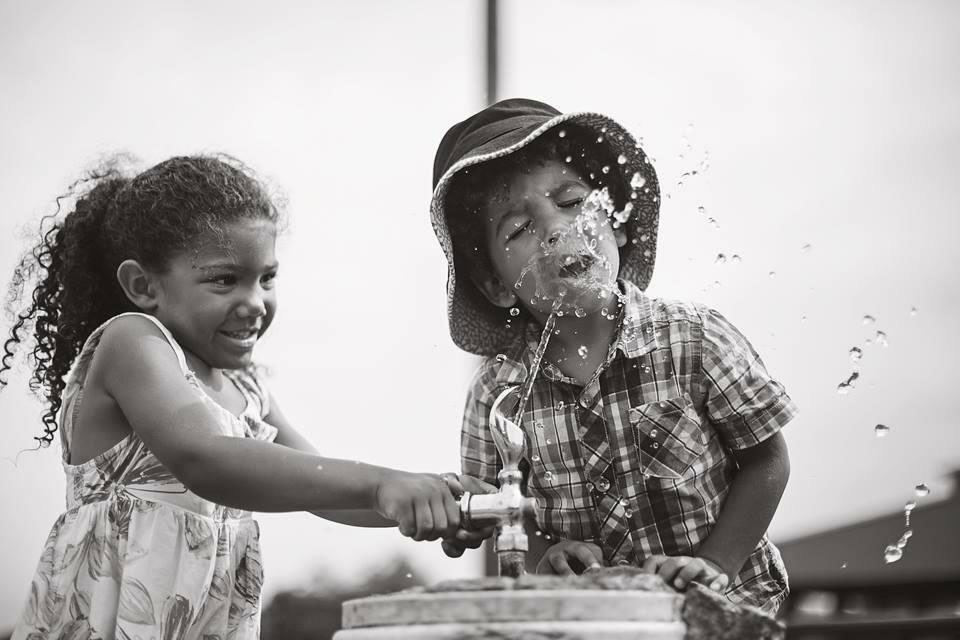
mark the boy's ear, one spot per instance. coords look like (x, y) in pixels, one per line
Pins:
(620, 235)
(137, 285)
(494, 290)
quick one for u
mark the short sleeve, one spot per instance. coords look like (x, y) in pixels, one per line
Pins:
(744, 403)
(478, 453)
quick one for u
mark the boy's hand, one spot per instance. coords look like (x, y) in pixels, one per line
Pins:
(464, 539)
(422, 504)
(559, 558)
(680, 571)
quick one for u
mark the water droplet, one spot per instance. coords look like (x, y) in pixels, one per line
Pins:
(605, 169)
(735, 258)
(892, 553)
(644, 237)
(913, 311)
(843, 566)
(713, 223)
(806, 248)
(881, 430)
(856, 353)
(921, 490)
(501, 357)
(720, 259)
(881, 339)
(599, 139)
(562, 133)
(580, 312)
(583, 351)
(716, 284)
(772, 274)
(621, 159)
(637, 181)
(868, 319)
(568, 159)
(803, 318)
(902, 542)
(409, 576)
(535, 458)
(514, 311)
(702, 210)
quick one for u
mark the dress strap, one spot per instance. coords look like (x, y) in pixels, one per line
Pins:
(73, 391)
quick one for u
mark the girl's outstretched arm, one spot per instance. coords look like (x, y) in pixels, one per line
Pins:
(288, 436)
(139, 370)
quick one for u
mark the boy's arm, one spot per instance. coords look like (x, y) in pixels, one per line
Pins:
(751, 502)
(288, 436)
(748, 408)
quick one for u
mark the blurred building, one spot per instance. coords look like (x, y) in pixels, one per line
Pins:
(843, 587)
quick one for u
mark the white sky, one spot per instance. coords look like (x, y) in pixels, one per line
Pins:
(830, 123)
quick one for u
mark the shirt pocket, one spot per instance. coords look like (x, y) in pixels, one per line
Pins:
(669, 436)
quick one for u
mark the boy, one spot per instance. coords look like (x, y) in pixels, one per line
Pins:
(653, 427)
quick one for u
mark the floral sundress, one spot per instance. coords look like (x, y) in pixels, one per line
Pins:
(138, 556)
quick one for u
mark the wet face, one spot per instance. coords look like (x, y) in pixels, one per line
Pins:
(219, 299)
(547, 240)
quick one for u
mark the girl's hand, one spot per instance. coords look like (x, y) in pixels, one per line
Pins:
(422, 504)
(465, 539)
(680, 571)
(557, 559)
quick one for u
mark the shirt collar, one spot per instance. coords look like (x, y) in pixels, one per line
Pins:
(635, 337)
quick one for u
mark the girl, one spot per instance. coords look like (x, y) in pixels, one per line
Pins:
(152, 293)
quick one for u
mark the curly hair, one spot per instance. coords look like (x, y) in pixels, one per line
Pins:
(149, 217)
(474, 186)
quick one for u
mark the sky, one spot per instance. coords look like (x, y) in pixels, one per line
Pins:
(829, 135)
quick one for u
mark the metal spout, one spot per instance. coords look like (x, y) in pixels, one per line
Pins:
(507, 508)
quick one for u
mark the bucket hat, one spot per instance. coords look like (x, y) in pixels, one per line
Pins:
(477, 326)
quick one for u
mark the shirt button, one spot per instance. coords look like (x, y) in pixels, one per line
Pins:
(585, 403)
(623, 563)
(656, 445)
(602, 485)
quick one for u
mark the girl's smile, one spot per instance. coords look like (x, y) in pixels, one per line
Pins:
(219, 300)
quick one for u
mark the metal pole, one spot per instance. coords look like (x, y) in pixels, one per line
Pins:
(492, 51)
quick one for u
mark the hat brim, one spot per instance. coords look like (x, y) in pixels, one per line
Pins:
(478, 327)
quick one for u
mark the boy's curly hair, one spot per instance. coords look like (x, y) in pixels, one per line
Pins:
(149, 217)
(473, 187)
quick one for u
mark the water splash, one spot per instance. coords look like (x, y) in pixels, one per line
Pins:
(881, 431)
(922, 490)
(850, 383)
(527, 387)
(892, 553)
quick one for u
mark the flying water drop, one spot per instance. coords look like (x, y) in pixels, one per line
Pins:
(921, 490)
(868, 319)
(856, 353)
(892, 553)
(881, 431)
(720, 259)
(583, 351)
(881, 339)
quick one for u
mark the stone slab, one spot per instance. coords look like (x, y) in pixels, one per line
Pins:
(566, 630)
(404, 608)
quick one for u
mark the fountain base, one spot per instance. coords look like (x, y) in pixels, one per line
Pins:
(607, 604)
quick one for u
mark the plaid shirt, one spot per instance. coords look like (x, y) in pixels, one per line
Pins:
(638, 460)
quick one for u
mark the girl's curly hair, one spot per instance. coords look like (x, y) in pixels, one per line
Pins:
(149, 217)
